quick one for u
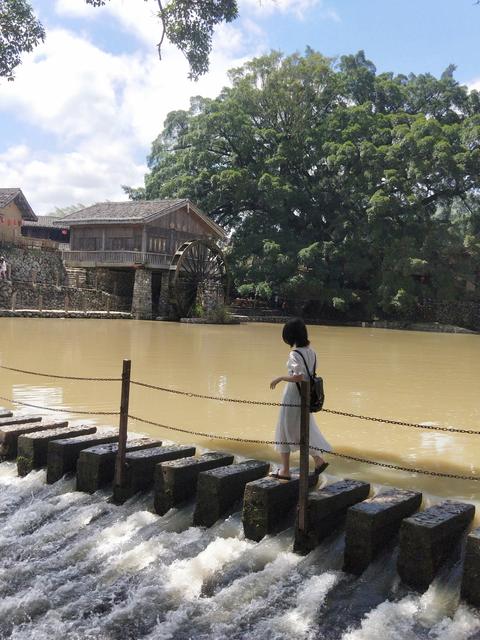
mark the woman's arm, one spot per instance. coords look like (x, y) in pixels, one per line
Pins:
(275, 381)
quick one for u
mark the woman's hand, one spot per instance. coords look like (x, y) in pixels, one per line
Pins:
(274, 382)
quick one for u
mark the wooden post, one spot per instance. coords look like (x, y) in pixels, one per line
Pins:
(123, 426)
(66, 303)
(40, 302)
(34, 277)
(84, 303)
(304, 446)
(108, 303)
(14, 300)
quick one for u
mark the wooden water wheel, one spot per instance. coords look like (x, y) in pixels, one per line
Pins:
(197, 263)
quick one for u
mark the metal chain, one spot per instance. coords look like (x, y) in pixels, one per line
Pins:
(219, 398)
(331, 411)
(51, 375)
(85, 413)
(214, 436)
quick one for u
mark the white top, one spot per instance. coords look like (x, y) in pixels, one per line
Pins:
(295, 364)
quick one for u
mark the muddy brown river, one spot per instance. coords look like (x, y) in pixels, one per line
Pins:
(428, 378)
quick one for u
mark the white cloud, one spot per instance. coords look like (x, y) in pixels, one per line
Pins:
(475, 84)
(102, 110)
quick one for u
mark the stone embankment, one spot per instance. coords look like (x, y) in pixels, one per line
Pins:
(386, 519)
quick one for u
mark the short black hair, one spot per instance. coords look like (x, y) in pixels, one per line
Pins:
(295, 333)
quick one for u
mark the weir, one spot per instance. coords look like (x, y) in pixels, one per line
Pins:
(426, 539)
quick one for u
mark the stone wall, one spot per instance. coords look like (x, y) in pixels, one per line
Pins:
(46, 266)
(53, 297)
(462, 314)
(5, 294)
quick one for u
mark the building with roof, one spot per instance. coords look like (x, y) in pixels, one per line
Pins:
(14, 211)
(136, 243)
(46, 228)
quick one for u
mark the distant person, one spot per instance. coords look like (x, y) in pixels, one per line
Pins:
(3, 268)
(288, 426)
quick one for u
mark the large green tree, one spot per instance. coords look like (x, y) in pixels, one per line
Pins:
(340, 185)
(188, 24)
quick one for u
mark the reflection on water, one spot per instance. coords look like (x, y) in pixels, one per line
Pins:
(409, 376)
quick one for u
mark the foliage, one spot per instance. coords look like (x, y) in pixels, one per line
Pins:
(339, 185)
(188, 24)
(20, 32)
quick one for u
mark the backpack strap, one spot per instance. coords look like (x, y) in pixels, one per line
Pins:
(311, 376)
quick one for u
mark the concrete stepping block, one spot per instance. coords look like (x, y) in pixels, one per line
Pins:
(176, 481)
(33, 448)
(5, 413)
(427, 539)
(269, 504)
(63, 454)
(219, 489)
(9, 434)
(470, 589)
(19, 420)
(373, 523)
(327, 510)
(141, 468)
(96, 465)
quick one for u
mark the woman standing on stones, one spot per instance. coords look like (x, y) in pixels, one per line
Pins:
(288, 426)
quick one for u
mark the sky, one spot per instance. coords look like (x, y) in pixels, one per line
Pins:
(79, 120)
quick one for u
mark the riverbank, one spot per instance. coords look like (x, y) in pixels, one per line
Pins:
(432, 327)
(61, 313)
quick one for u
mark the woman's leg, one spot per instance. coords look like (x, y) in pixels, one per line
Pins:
(320, 464)
(285, 470)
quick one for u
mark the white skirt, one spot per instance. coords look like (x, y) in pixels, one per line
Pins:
(288, 425)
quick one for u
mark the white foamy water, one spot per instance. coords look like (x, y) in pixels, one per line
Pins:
(76, 567)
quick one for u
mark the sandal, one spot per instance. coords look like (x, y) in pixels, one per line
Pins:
(320, 469)
(278, 476)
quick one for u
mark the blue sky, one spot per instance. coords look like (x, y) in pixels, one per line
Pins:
(78, 121)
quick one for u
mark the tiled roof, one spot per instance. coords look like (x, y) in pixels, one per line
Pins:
(133, 211)
(45, 221)
(15, 195)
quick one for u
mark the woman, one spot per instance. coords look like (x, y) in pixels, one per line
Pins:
(288, 427)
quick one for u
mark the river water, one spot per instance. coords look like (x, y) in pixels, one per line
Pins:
(75, 566)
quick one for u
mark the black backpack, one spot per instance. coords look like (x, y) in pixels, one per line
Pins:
(317, 394)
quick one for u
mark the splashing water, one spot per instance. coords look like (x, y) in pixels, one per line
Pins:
(75, 566)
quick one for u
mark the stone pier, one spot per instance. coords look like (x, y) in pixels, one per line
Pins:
(219, 489)
(33, 448)
(327, 510)
(428, 538)
(470, 589)
(269, 505)
(373, 523)
(176, 480)
(96, 465)
(9, 434)
(63, 454)
(142, 294)
(140, 468)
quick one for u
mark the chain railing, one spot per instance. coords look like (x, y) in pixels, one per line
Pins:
(126, 382)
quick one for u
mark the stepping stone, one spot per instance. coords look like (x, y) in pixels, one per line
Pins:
(63, 454)
(141, 468)
(470, 589)
(327, 510)
(269, 505)
(373, 523)
(219, 489)
(19, 420)
(427, 539)
(96, 465)
(33, 448)
(176, 481)
(9, 434)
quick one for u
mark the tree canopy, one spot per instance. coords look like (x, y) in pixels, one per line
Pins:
(20, 32)
(340, 186)
(188, 24)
